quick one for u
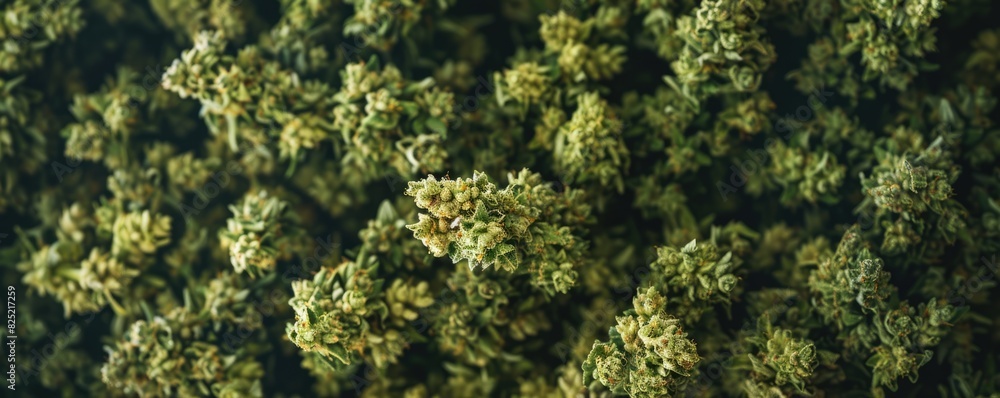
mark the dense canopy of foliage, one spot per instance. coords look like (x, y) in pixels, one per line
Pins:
(515, 198)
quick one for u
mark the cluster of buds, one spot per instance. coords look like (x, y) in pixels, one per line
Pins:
(526, 227)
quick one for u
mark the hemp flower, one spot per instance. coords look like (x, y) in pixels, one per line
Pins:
(193, 17)
(578, 55)
(157, 359)
(812, 177)
(648, 355)
(346, 314)
(388, 124)
(29, 27)
(693, 276)
(703, 198)
(782, 362)
(526, 82)
(382, 24)
(589, 148)
(916, 193)
(261, 232)
(526, 227)
(724, 42)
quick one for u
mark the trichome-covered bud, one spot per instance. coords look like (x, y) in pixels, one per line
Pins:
(389, 124)
(343, 315)
(914, 198)
(137, 235)
(590, 146)
(648, 354)
(259, 233)
(782, 363)
(526, 83)
(849, 282)
(203, 348)
(527, 226)
(580, 57)
(811, 176)
(155, 359)
(694, 277)
(724, 43)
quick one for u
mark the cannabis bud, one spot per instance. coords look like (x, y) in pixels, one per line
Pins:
(544, 198)
(260, 233)
(525, 227)
(648, 355)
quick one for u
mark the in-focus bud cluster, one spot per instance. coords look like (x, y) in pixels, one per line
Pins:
(525, 227)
